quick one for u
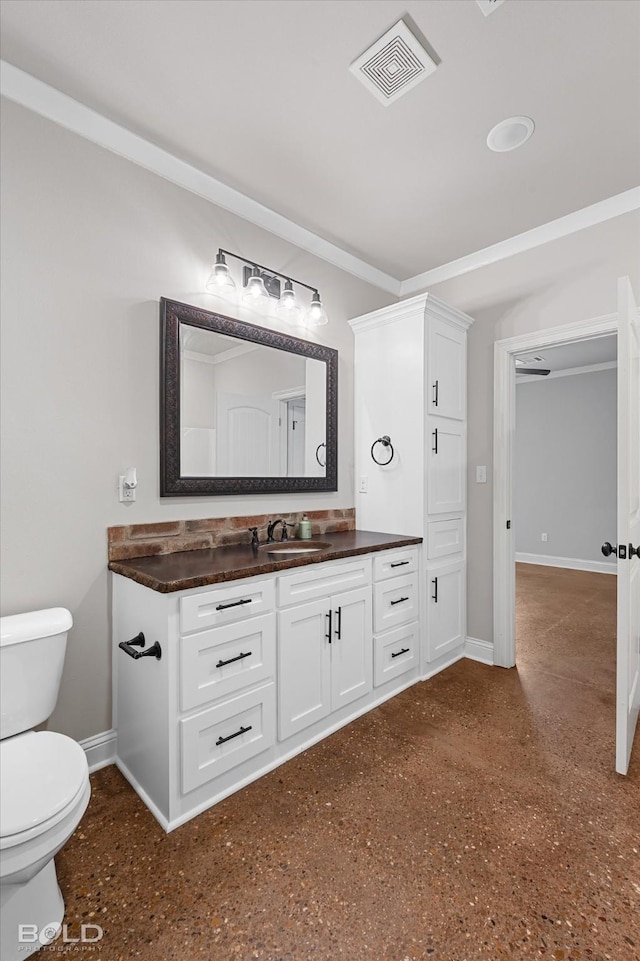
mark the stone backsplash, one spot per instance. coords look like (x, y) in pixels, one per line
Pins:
(167, 537)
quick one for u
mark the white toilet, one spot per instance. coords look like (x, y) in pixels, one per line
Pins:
(44, 781)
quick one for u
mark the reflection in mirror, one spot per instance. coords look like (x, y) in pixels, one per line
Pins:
(248, 410)
(243, 409)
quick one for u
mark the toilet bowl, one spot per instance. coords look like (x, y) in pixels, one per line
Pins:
(44, 782)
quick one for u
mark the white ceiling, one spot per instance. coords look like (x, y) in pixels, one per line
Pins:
(258, 94)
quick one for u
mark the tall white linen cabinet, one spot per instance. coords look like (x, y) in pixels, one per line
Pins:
(410, 387)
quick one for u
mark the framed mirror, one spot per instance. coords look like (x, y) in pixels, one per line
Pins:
(243, 409)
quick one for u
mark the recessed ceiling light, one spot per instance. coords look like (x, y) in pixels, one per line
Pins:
(510, 133)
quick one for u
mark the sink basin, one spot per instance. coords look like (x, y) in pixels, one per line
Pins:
(286, 548)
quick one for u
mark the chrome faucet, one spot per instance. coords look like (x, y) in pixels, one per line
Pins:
(271, 528)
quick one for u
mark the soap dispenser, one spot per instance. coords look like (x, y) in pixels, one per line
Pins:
(304, 528)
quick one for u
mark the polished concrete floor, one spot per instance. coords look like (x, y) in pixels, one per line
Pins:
(476, 815)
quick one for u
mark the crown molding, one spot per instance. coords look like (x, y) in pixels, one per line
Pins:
(412, 307)
(35, 95)
(42, 99)
(623, 203)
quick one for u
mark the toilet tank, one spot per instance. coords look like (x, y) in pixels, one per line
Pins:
(32, 648)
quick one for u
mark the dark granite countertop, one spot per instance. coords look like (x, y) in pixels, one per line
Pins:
(184, 570)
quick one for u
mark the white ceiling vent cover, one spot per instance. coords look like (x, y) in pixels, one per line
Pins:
(488, 6)
(393, 65)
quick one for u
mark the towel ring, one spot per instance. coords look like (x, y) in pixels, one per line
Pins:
(318, 454)
(386, 442)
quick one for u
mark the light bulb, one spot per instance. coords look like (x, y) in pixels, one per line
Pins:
(220, 278)
(256, 292)
(315, 315)
(288, 308)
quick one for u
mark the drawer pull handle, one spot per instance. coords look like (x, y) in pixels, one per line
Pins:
(238, 657)
(435, 394)
(230, 737)
(434, 434)
(399, 601)
(434, 596)
(398, 564)
(405, 650)
(223, 607)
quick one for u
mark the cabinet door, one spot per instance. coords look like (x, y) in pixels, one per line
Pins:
(445, 609)
(446, 467)
(351, 647)
(304, 666)
(447, 370)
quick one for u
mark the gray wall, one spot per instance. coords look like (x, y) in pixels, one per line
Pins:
(90, 243)
(563, 282)
(565, 465)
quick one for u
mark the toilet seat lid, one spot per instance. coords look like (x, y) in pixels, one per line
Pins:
(40, 774)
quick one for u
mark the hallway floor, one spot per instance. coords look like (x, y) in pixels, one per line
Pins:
(475, 816)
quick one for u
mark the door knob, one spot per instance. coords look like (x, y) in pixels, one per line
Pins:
(607, 549)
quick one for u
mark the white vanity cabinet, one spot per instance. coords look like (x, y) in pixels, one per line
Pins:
(254, 671)
(410, 385)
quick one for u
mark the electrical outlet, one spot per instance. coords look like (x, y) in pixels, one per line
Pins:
(544, 537)
(363, 485)
(127, 484)
(481, 474)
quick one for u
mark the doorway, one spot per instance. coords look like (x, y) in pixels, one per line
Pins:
(564, 509)
(504, 565)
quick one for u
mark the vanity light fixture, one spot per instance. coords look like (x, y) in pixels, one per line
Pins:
(262, 283)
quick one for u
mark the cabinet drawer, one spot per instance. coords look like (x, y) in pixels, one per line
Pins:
(391, 563)
(395, 652)
(226, 604)
(323, 580)
(224, 660)
(217, 740)
(395, 602)
(445, 537)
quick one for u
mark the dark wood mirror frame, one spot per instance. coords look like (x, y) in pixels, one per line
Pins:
(172, 483)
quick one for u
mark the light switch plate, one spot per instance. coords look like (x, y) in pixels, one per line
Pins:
(481, 474)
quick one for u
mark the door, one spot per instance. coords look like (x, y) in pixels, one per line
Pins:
(351, 652)
(628, 653)
(304, 667)
(248, 435)
(447, 370)
(446, 609)
(446, 466)
(295, 437)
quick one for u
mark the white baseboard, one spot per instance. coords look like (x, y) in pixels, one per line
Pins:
(100, 749)
(477, 650)
(572, 563)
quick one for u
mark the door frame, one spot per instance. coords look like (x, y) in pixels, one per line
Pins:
(504, 423)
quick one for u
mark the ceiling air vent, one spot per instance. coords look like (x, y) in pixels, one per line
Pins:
(488, 6)
(393, 65)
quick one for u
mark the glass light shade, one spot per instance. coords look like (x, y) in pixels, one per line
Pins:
(256, 292)
(288, 308)
(315, 315)
(220, 277)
